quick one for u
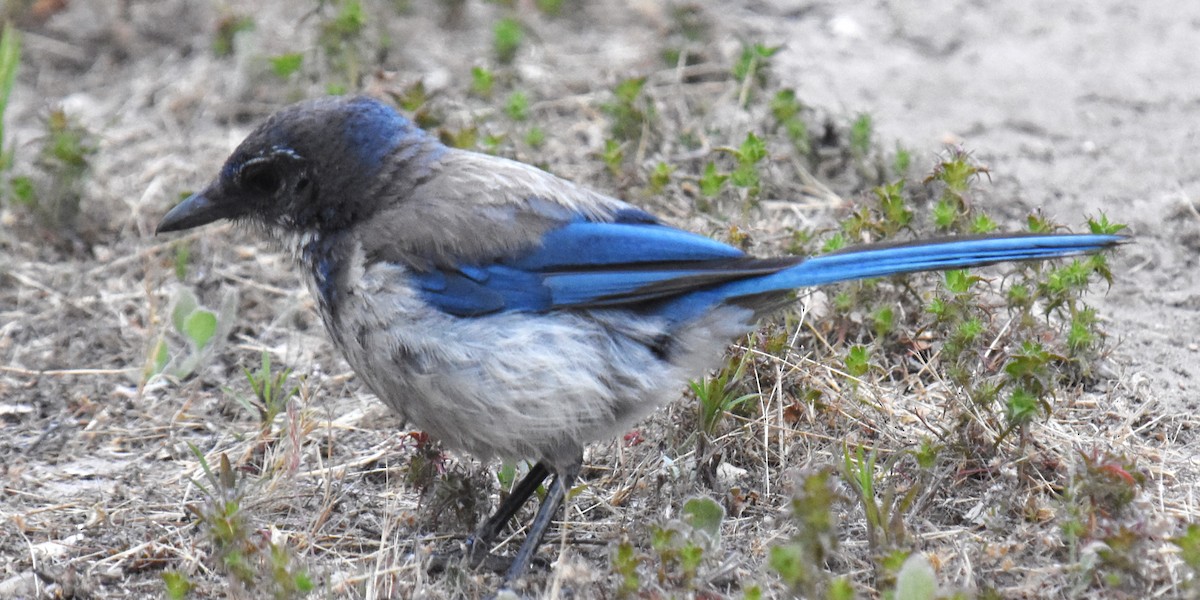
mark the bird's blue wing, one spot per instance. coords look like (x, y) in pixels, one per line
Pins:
(591, 264)
(643, 265)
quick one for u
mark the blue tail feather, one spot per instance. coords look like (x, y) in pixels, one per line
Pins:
(881, 260)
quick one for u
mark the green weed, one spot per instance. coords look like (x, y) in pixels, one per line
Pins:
(53, 193)
(712, 181)
(535, 137)
(1189, 551)
(228, 27)
(255, 563)
(517, 106)
(483, 82)
(887, 499)
(271, 394)
(717, 396)
(625, 563)
(800, 562)
(507, 36)
(202, 329)
(681, 546)
(660, 177)
(551, 8)
(613, 156)
(749, 156)
(1101, 515)
(862, 134)
(858, 360)
(955, 174)
(629, 110)
(414, 99)
(341, 39)
(884, 514)
(177, 585)
(286, 65)
(10, 62)
(688, 35)
(901, 161)
(751, 69)
(787, 111)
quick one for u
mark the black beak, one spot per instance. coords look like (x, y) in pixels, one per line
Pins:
(198, 209)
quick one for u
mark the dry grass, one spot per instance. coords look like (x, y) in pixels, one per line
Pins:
(99, 495)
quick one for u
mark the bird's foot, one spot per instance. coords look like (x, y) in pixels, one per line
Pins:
(476, 556)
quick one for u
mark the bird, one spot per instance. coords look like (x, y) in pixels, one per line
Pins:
(506, 311)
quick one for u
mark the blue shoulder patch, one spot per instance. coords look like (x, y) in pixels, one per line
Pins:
(374, 129)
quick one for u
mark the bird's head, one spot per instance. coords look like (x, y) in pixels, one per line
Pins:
(311, 168)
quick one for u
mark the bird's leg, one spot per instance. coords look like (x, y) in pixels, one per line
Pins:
(563, 480)
(480, 543)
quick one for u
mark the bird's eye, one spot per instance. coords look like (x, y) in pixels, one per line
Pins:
(260, 176)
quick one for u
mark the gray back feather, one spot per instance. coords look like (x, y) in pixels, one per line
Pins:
(473, 208)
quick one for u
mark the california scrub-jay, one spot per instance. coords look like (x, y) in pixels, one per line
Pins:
(508, 312)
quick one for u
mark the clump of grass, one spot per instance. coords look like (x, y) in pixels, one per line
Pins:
(901, 161)
(625, 562)
(660, 177)
(712, 181)
(955, 174)
(1033, 372)
(228, 27)
(887, 499)
(271, 392)
(483, 82)
(749, 156)
(341, 39)
(862, 133)
(613, 156)
(1101, 517)
(787, 112)
(1188, 543)
(255, 564)
(54, 192)
(800, 562)
(415, 100)
(517, 106)
(679, 549)
(688, 36)
(629, 110)
(630, 116)
(717, 395)
(284, 66)
(551, 8)
(10, 62)
(858, 360)
(535, 137)
(863, 152)
(177, 584)
(746, 175)
(1007, 355)
(752, 69)
(464, 137)
(507, 36)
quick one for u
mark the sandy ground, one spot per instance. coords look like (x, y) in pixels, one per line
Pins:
(1077, 109)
